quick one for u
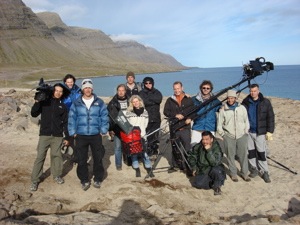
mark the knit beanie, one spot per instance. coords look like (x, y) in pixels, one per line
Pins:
(130, 73)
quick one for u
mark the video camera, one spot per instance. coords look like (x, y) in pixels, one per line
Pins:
(44, 91)
(257, 67)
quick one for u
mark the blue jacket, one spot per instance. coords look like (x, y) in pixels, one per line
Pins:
(85, 121)
(75, 92)
(207, 121)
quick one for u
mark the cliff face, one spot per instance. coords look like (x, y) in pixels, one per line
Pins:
(18, 21)
(43, 40)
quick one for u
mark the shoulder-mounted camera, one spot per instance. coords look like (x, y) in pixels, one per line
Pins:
(44, 91)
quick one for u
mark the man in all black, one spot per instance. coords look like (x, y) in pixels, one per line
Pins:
(152, 99)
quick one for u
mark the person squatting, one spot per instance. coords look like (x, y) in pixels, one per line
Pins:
(205, 130)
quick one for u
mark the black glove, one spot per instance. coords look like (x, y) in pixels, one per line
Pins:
(40, 96)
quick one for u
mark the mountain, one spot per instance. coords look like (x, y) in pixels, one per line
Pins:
(31, 44)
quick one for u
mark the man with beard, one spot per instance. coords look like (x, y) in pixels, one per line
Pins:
(152, 99)
(118, 102)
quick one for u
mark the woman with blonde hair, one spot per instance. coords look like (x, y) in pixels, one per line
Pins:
(138, 117)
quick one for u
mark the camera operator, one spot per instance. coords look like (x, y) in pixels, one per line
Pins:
(54, 121)
(178, 105)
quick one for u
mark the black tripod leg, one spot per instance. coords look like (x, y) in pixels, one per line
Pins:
(161, 153)
(183, 152)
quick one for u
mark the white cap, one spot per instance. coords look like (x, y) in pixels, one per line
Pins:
(231, 93)
(86, 83)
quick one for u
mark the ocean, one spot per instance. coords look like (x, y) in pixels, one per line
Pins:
(283, 81)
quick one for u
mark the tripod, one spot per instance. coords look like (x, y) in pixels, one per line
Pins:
(179, 153)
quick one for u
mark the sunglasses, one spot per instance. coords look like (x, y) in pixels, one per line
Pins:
(205, 88)
(88, 81)
(148, 83)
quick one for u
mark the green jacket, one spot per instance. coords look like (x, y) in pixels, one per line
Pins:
(202, 160)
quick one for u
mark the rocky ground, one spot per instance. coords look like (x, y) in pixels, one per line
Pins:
(125, 199)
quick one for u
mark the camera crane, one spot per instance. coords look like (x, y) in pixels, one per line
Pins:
(253, 69)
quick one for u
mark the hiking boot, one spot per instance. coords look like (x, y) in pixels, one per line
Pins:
(266, 177)
(85, 186)
(217, 191)
(59, 180)
(234, 178)
(137, 172)
(119, 168)
(246, 178)
(33, 186)
(97, 184)
(253, 173)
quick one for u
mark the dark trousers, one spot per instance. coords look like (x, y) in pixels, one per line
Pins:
(153, 138)
(185, 137)
(215, 178)
(82, 144)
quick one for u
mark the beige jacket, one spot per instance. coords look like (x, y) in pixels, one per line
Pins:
(233, 123)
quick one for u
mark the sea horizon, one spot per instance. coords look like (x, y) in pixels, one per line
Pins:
(282, 82)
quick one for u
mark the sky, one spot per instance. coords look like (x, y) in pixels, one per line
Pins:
(200, 33)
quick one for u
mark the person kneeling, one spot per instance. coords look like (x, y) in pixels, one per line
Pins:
(205, 161)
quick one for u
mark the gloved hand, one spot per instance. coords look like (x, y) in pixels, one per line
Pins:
(269, 136)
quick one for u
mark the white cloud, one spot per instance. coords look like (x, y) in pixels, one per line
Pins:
(129, 37)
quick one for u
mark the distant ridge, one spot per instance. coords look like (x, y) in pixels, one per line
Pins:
(43, 40)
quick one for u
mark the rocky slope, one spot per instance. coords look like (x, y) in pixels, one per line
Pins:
(33, 43)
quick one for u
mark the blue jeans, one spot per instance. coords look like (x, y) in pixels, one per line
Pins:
(135, 161)
(118, 151)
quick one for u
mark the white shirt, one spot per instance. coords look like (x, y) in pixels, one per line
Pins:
(88, 102)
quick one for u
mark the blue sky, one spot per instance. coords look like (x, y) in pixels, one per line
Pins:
(203, 33)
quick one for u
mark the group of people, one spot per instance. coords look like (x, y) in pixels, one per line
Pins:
(76, 117)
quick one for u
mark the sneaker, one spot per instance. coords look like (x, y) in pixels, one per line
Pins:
(33, 186)
(234, 178)
(59, 180)
(246, 178)
(97, 184)
(119, 168)
(266, 177)
(253, 173)
(85, 186)
(217, 191)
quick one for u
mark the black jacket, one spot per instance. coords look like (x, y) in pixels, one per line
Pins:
(113, 108)
(265, 114)
(172, 108)
(135, 91)
(152, 99)
(54, 117)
